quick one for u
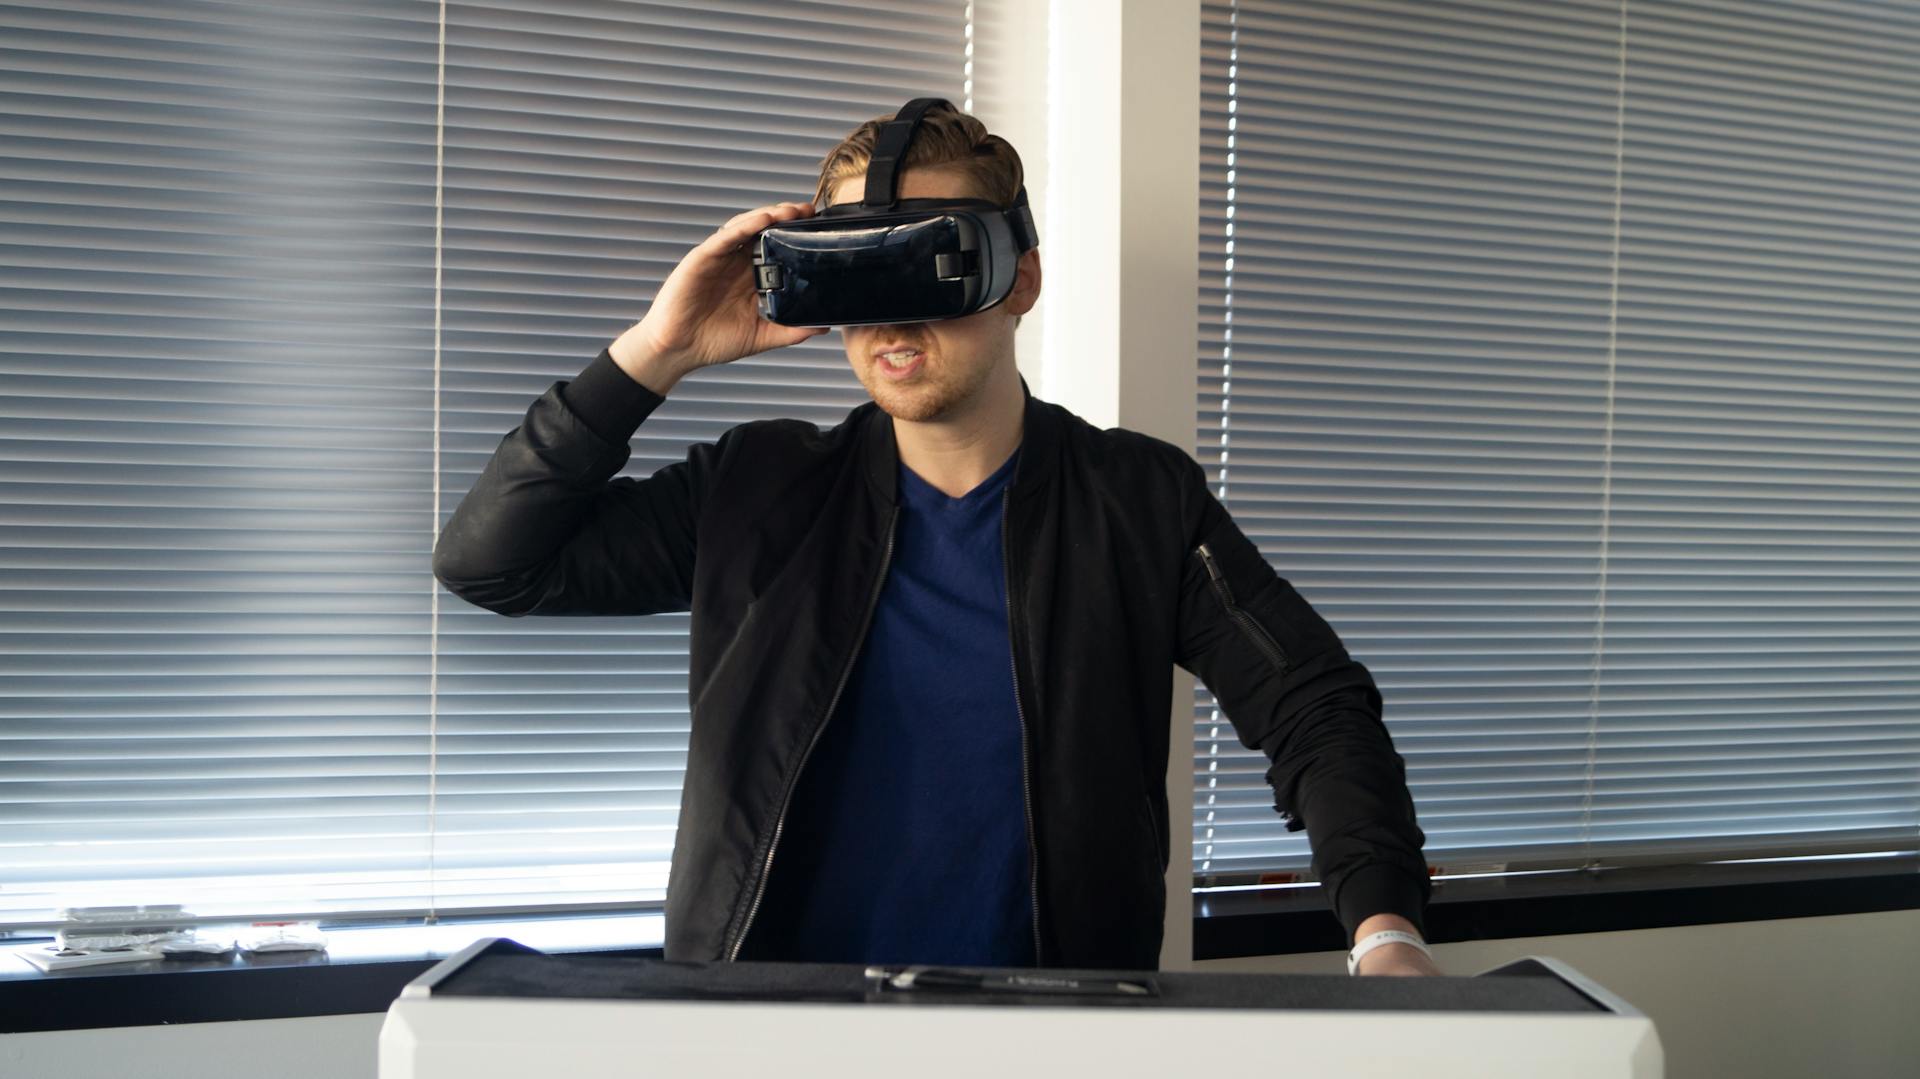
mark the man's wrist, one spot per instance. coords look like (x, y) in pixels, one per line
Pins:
(632, 354)
(1389, 945)
(609, 401)
(1380, 922)
(1389, 939)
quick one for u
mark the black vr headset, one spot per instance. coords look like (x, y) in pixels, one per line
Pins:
(886, 259)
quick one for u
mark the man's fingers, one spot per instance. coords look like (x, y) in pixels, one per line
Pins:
(743, 227)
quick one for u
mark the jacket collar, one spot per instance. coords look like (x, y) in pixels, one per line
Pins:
(1039, 445)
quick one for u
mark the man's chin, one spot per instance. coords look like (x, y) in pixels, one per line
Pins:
(915, 403)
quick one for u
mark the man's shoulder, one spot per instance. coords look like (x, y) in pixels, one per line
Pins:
(785, 436)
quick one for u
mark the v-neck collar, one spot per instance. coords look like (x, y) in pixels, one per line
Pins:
(916, 490)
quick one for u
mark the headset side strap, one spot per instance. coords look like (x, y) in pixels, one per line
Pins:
(1020, 216)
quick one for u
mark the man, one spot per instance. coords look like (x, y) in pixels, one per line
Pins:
(932, 649)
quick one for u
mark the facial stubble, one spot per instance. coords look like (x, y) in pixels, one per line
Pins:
(927, 396)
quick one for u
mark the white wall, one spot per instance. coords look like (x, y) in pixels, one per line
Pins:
(324, 1047)
(1828, 997)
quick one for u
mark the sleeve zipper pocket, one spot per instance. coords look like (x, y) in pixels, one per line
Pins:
(1254, 630)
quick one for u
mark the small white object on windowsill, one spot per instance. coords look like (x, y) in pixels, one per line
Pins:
(195, 944)
(284, 937)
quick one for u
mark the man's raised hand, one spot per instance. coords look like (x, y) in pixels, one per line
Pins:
(706, 312)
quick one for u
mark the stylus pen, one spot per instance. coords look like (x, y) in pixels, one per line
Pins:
(933, 979)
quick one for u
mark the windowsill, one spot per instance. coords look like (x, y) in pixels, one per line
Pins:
(1289, 921)
(362, 970)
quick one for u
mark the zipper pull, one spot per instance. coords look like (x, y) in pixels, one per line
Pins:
(1206, 558)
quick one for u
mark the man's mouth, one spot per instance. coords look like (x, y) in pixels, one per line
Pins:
(897, 362)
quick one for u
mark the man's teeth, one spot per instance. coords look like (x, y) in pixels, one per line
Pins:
(899, 359)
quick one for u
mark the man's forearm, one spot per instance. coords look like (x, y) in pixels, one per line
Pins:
(1339, 774)
(547, 529)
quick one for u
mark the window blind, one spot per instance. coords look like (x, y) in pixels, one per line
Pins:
(279, 278)
(1566, 357)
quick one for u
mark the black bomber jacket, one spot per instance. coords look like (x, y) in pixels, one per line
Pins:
(1119, 564)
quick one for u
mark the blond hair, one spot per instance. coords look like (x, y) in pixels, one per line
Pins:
(946, 139)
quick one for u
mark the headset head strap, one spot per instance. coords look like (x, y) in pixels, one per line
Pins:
(890, 147)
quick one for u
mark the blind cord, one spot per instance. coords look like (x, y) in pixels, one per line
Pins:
(433, 587)
(1606, 447)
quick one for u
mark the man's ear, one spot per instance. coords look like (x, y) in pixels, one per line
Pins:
(1026, 283)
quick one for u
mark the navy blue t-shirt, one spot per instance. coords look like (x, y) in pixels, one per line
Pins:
(906, 840)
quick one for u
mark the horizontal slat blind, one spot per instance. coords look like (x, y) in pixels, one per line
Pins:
(228, 677)
(1580, 396)
(1760, 687)
(216, 452)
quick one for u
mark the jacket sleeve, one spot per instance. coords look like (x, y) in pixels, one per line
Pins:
(1292, 692)
(547, 530)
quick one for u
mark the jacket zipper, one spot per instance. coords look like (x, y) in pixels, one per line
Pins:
(1026, 780)
(786, 798)
(1261, 638)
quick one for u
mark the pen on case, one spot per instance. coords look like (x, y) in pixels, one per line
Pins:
(968, 982)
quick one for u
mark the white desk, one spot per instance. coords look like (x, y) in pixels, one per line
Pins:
(499, 1010)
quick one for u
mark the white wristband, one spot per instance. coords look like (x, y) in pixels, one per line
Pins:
(1375, 940)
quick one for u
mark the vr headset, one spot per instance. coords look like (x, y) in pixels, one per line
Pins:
(886, 259)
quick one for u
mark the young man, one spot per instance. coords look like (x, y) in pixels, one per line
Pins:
(932, 647)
